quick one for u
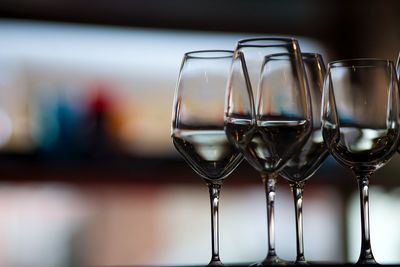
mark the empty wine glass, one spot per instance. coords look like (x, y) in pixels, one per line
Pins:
(398, 77)
(268, 132)
(360, 124)
(198, 125)
(398, 66)
(306, 161)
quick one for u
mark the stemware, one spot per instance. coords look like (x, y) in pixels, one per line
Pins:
(398, 78)
(268, 132)
(304, 163)
(360, 124)
(198, 125)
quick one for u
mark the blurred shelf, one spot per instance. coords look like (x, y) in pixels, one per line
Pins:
(125, 168)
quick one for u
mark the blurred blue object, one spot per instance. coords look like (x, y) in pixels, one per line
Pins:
(60, 125)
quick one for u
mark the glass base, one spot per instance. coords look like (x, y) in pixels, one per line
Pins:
(366, 257)
(302, 262)
(367, 261)
(271, 260)
(215, 263)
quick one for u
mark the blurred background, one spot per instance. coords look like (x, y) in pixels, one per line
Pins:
(89, 176)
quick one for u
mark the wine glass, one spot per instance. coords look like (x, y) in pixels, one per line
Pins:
(360, 124)
(198, 125)
(398, 66)
(306, 161)
(398, 78)
(268, 132)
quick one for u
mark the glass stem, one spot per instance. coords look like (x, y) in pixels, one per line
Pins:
(270, 185)
(297, 190)
(366, 256)
(214, 190)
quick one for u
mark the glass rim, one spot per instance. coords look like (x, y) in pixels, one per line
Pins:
(305, 56)
(274, 41)
(359, 62)
(210, 54)
(311, 55)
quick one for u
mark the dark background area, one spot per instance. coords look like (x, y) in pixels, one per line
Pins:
(348, 28)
